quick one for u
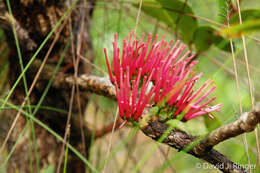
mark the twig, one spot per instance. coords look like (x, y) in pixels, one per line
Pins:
(23, 35)
(138, 15)
(246, 123)
(179, 140)
(98, 85)
(110, 141)
(67, 129)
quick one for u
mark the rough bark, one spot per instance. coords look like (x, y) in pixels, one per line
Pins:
(33, 21)
(178, 139)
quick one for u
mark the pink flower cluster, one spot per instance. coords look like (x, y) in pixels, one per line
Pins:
(155, 72)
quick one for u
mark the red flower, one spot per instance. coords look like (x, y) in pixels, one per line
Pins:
(174, 86)
(136, 54)
(171, 78)
(185, 101)
(132, 100)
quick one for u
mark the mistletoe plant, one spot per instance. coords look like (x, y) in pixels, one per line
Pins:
(160, 75)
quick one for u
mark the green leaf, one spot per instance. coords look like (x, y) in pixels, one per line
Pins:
(155, 10)
(222, 10)
(237, 30)
(180, 12)
(205, 36)
(246, 15)
(175, 14)
(223, 44)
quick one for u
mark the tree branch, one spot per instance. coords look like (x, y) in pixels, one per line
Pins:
(98, 85)
(247, 122)
(177, 138)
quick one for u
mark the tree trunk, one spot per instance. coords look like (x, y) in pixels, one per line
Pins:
(33, 21)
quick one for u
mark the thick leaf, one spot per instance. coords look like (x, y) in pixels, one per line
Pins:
(155, 10)
(237, 30)
(175, 14)
(180, 12)
(205, 36)
(249, 14)
(223, 44)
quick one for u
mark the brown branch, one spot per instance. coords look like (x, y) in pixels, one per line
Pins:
(246, 123)
(23, 35)
(98, 85)
(89, 83)
(177, 138)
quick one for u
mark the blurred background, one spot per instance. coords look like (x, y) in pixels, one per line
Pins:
(201, 26)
